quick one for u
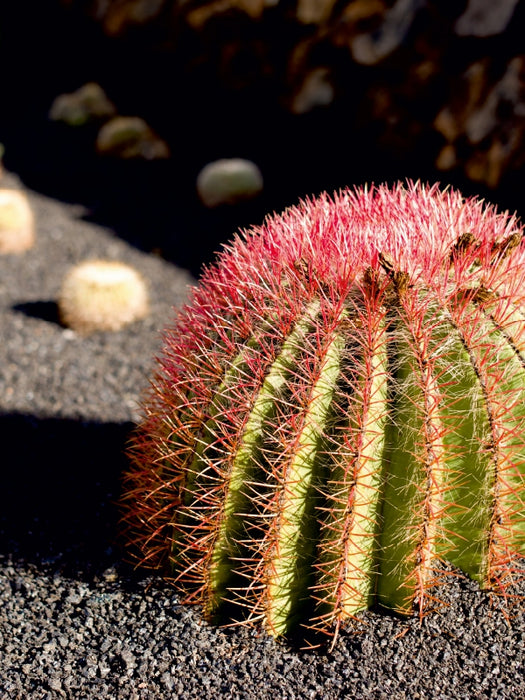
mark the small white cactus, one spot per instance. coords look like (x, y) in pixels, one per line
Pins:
(17, 226)
(101, 295)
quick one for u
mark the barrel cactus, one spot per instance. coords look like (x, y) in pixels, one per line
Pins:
(340, 411)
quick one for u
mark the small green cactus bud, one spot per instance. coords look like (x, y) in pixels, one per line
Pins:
(228, 181)
(86, 105)
(130, 138)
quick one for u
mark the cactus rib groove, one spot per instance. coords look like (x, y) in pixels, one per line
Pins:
(339, 411)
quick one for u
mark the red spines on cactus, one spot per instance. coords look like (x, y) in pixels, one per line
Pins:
(341, 406)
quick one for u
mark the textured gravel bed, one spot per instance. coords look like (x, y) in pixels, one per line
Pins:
(77, 622)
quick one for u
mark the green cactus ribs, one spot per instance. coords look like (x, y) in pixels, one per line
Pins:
(338, 412)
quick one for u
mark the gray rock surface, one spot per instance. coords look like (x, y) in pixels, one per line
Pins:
(75, 621)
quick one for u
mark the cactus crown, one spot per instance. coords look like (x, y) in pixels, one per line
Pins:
(340, 408)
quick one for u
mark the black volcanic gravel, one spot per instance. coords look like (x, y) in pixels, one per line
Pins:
(75, 621)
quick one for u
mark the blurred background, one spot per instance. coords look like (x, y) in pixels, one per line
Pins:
(316, 94)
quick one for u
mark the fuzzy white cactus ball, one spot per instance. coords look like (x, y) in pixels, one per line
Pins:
(102, 295)
(17, 227)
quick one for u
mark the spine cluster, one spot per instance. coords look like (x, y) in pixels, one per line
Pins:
(321, 435)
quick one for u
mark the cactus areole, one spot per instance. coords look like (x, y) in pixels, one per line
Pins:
(339, 410)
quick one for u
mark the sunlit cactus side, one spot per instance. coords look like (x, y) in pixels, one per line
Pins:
(339, 411)
(17, 224)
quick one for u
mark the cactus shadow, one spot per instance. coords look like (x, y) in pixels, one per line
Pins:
(59, 487)
(43, 310)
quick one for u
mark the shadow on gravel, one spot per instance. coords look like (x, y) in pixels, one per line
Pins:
(44, 310)
(59, 484)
